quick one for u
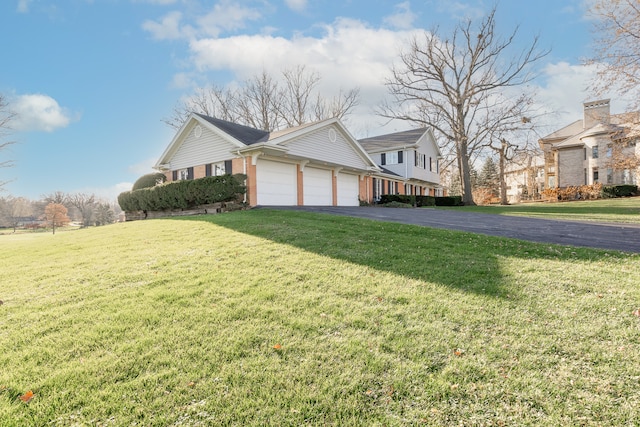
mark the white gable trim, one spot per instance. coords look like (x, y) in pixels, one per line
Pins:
(289, 137)
(182, 134)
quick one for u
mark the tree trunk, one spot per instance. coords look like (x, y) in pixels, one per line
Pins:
(465, 175)
(503, 181)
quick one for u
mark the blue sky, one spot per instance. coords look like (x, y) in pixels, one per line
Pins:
(91, 80)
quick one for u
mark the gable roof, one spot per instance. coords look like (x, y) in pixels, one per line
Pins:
(245, 134)
(250, 140)
(393, 140)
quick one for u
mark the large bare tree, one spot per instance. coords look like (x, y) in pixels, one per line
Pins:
(268, 102)
(617, 48)
(467, 86)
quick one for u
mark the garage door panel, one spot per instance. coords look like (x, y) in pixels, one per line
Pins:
(348, 190)
(276, 183)
(317, 187)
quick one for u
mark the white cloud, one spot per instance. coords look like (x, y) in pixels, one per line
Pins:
(37, 112)
(107, 194)
(297, 5)
(347, 55)
(168, 28)
(403, 18)
(144, 167)
(23, 6)
(564, 87)
(224, 16)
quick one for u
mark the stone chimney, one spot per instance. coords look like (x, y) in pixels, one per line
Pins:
(596, 112)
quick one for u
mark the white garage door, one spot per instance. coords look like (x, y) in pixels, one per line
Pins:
(317, 187)
(276, 183)
(348, 187)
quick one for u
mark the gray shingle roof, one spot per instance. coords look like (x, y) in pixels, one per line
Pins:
(245, 134)
(392, 140)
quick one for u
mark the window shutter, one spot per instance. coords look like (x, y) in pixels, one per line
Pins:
(174, 176)
(400, 156)
(415, 155)
(228, 167)
(430, 164)
(207, 169)
(383, 159)
(190, 173)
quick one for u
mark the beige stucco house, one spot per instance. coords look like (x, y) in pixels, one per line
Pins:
(600, 148)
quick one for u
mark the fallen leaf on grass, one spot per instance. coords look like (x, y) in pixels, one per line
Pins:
(458, 352)
(192, 384)
(636, 312)
(277, 347)
(26, 397)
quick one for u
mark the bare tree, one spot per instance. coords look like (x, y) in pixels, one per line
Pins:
(258, 103)
(14, 210)
(463, 86)
(268, 103)
(617, 47)
(57, 197)
(104, 214)
(6, 115)
(85, 204)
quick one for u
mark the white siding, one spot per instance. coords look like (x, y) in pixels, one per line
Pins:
(348, 190)
(208, 148)
(318, 187)
(317, 146)
(427, 147)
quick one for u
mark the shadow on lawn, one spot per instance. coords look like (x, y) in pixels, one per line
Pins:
(464, 261)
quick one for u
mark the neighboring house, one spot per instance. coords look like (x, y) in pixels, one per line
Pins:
(600, 148)
(317, 164)
(524, 178)
(410, 163)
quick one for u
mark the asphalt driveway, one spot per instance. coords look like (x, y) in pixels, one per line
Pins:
(621, 237)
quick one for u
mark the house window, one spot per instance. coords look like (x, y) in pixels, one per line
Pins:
(183, 174)
(609, 151)
(609, 176)
(594, 151)
(595, 176)
(392, 158)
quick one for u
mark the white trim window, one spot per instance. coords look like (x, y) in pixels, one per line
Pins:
(183, 174)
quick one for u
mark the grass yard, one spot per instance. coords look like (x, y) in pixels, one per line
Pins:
(621, 210)
(289, 318)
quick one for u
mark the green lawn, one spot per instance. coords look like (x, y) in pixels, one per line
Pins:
(622, 210)
(288, 318)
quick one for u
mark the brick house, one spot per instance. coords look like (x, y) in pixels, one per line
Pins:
(317, 164)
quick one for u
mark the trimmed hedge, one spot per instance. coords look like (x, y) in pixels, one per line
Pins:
(421, 201)
(149, 180)
(418, 201)
(619, 190)
(449, 201)
(184, 194)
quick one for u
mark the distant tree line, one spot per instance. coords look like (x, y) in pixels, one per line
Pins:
(55, 210)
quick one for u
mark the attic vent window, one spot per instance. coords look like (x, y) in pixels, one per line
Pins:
(198, 131)
(332, 135)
